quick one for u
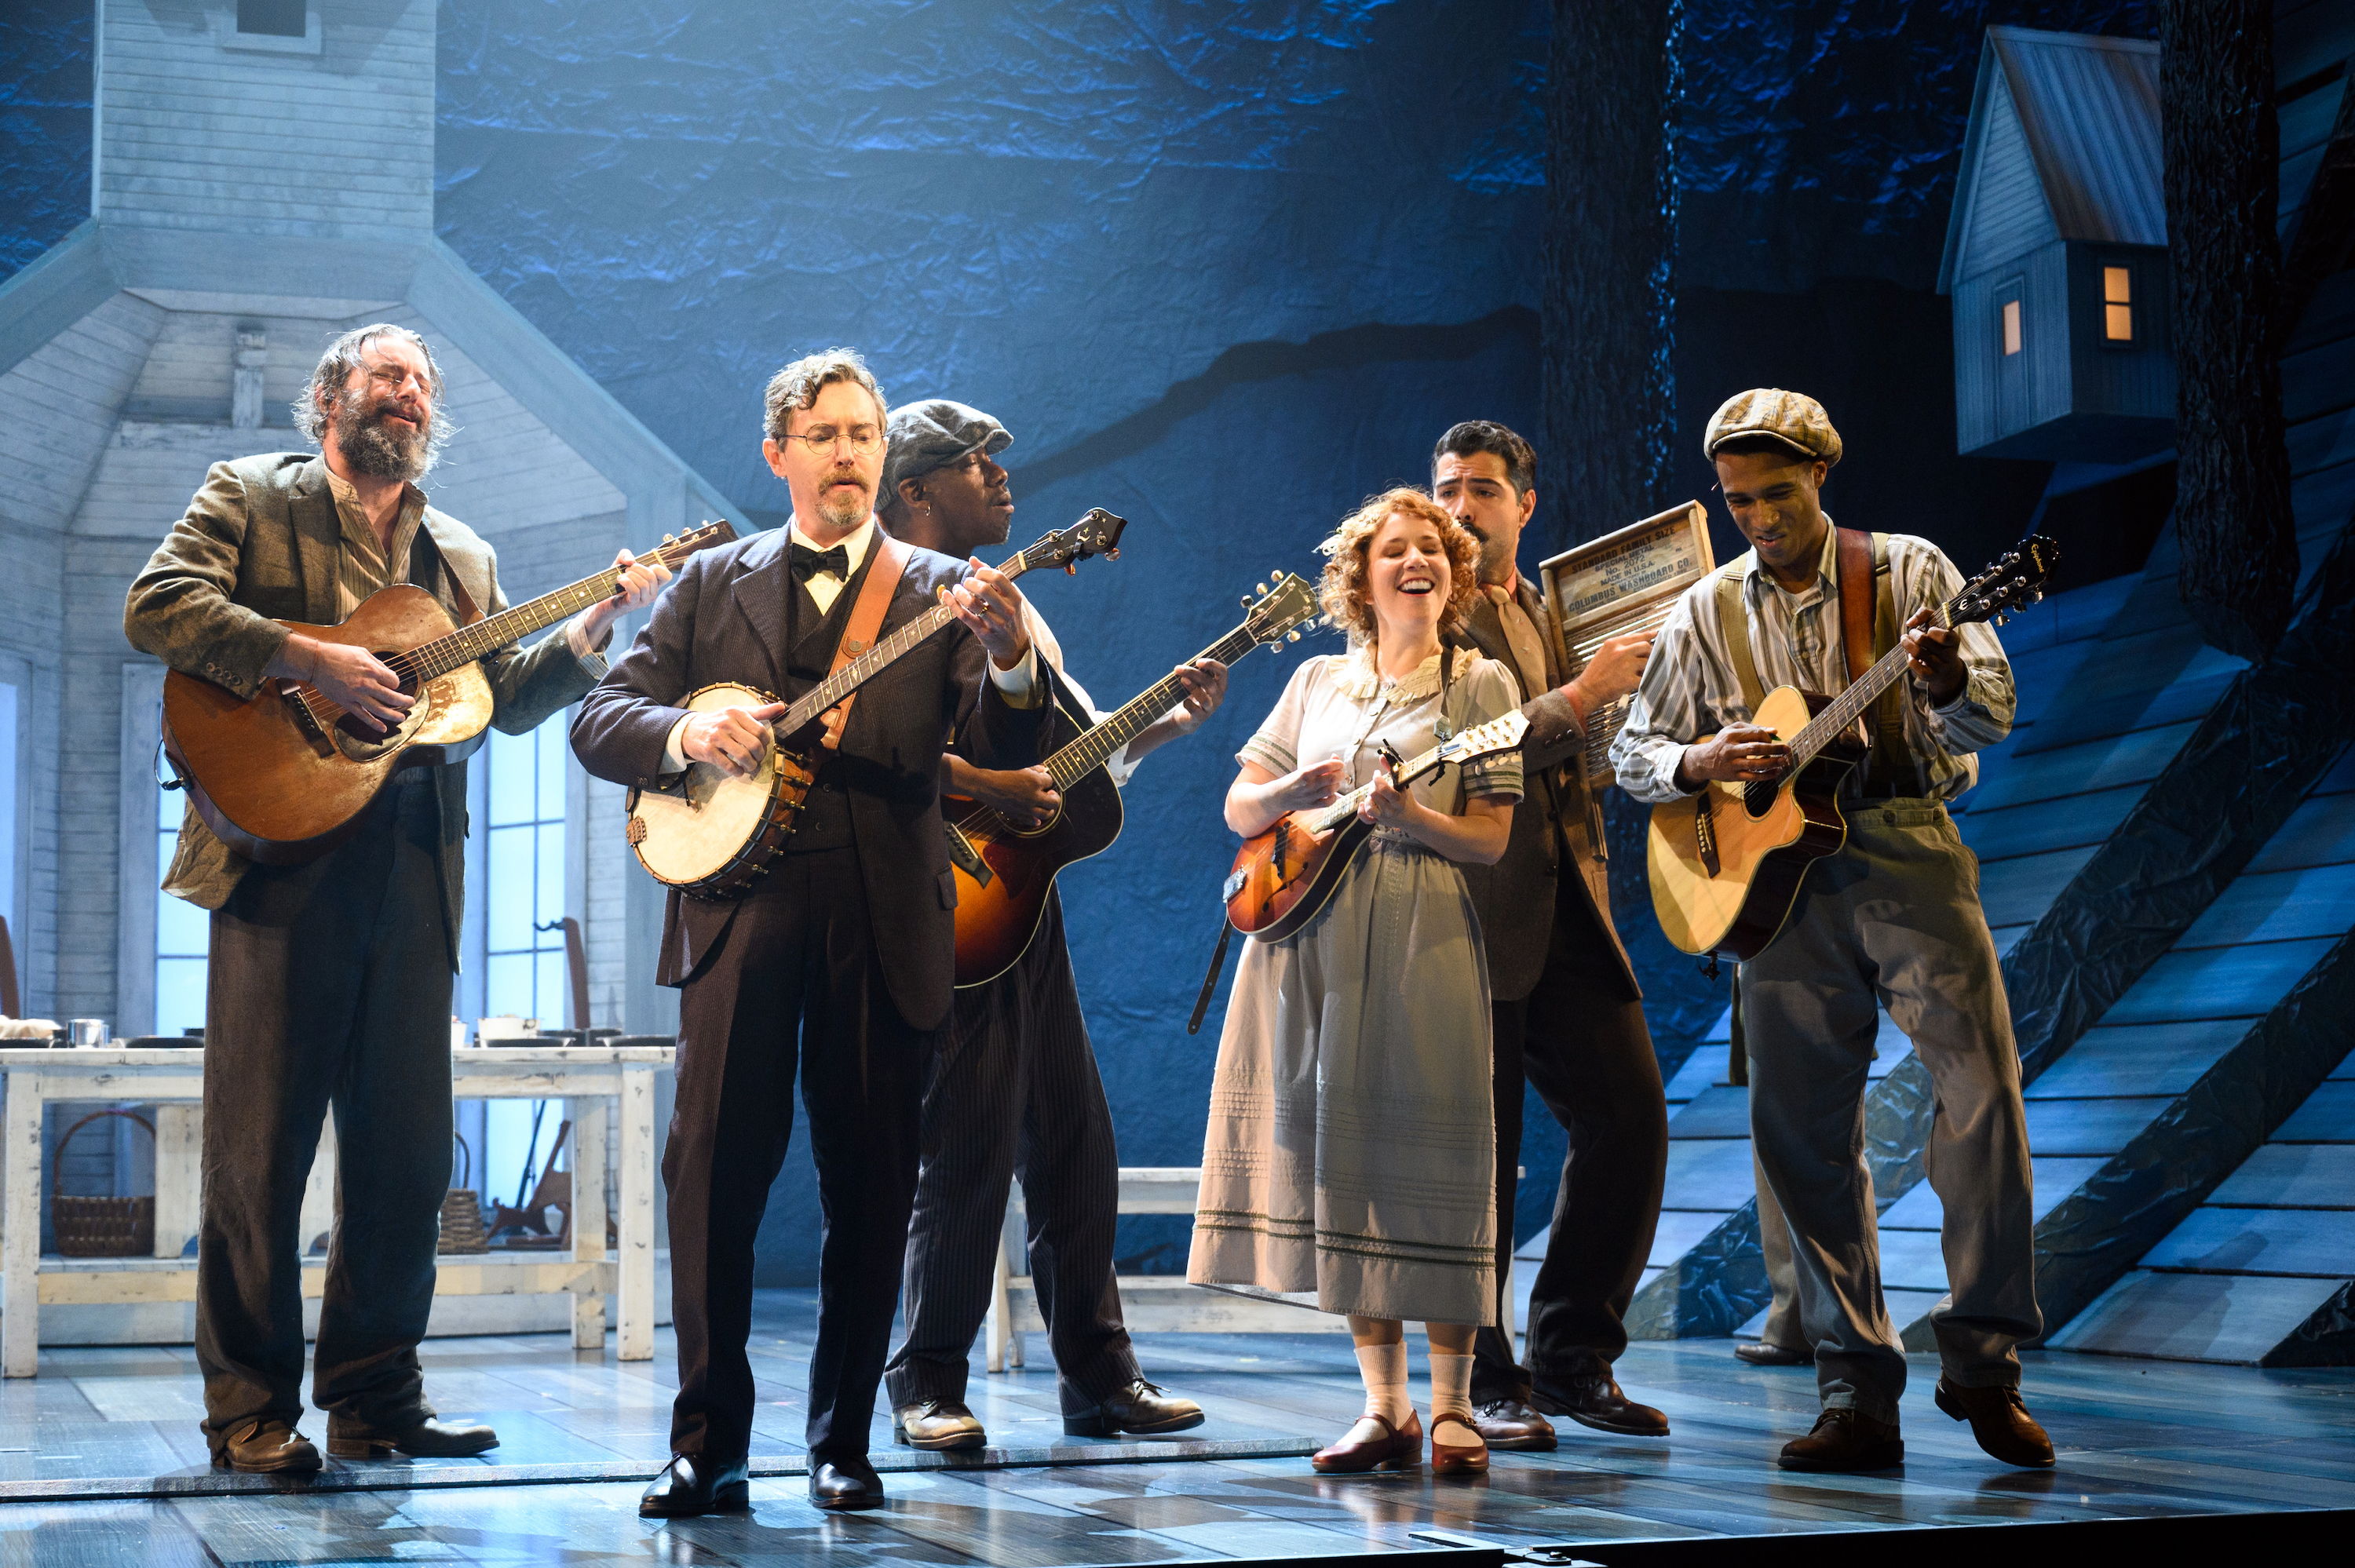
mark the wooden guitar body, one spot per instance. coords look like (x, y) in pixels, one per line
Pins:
(998, 910)
(1725, 868)
(300, 786)
(1285, 875)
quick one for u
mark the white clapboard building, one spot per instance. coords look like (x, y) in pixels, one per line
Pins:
(263, 179)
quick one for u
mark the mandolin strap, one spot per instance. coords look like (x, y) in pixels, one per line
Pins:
(892, 557)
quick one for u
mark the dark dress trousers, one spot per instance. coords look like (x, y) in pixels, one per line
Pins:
(838, 965)
(327, 984)
(1568, 1015)
(1014, 1090)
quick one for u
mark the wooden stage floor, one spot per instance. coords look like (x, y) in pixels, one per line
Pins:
(101, 1464)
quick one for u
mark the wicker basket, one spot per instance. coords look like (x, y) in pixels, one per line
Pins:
(101, 1228)
(462, 1211)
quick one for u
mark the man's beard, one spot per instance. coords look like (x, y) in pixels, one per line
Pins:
(372, 447)
(844, 513)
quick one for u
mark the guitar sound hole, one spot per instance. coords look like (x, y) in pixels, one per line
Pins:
(360, 729)
(1758, 796)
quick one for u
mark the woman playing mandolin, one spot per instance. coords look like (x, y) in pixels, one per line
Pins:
(1349, 1160)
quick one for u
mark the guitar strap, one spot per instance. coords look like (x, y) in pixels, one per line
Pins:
(891, 559)
(1735, 626)
(1868, 632)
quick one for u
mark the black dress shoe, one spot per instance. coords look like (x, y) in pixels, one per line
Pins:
(1595, 1399)
(266, 1447)
(845, 1484)
(1762, 1354)
(425, 1439)
(697, 1483)
(1139, 1407)
(1845, 1440)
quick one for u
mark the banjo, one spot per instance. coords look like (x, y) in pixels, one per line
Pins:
(712, 834)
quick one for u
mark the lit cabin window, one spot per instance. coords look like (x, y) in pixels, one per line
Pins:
(273, 18)
(2011, 327)
(2117, 304)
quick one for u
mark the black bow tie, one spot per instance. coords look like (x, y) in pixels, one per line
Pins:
(807, 563)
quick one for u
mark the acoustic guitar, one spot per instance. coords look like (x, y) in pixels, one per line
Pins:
(1726, 864)
(712, 834)
(282, 776)
(1288, 873)
(1005, 872)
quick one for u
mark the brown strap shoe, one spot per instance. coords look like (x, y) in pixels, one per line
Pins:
(1513, 1424)
(1845, 1440)
(2000, 1422)
(1398, 1448)
(266, 1447)
(1456, 1458)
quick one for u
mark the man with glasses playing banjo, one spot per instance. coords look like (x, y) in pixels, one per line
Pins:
(840, 960)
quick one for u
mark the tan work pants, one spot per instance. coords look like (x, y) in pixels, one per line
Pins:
(1895, 917)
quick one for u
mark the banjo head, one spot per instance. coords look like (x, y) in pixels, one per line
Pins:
(695, 830)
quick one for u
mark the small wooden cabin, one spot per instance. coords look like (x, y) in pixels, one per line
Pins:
(2056, 253)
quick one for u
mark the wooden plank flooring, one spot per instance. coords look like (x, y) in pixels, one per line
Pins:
(2137, 1439)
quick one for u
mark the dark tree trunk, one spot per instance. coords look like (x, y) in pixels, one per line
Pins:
(1607, 315)
(2232, 510)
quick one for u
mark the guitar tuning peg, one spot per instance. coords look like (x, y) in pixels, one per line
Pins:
(1292, 635)
(1260, 588)
(1244, 601)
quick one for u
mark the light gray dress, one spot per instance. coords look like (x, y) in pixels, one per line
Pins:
(1350, 1159)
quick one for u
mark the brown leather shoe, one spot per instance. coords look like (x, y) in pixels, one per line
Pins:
(1398, 1448)
(2000, 1422)
(937, 1425)
(1456, 1458)
(1845, 1439)
(266, 1447)
(1141, 1407)
(423, 1439)
(1513, 1424)
(1762, 1354)
(1595, 1399)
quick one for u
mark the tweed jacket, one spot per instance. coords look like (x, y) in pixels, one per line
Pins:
(1555, 824)
(723, 620)
(261, 544)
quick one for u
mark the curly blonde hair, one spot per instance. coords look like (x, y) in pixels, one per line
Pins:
(1343, 591)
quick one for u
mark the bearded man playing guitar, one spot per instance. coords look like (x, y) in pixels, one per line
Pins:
(1015, 1081)
(328, 982)
(839, 961)
(1893, 915)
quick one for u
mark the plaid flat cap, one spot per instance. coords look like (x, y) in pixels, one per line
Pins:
(1794, 418)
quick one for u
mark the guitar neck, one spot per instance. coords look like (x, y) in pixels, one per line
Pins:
(487, 636)
(1091, 751)
(1849, 705)
(871, 663)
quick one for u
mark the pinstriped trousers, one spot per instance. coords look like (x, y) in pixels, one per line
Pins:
(1016, 1090)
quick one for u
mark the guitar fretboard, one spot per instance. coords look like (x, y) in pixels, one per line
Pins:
(1848, 707)
(1092, 750)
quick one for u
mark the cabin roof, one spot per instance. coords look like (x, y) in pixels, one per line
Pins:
(2073, 119)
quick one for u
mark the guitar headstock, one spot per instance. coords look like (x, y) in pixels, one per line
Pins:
(1487, 739)
(2015, 580)
(1280, 610)
(1097, 534)
(677, 547)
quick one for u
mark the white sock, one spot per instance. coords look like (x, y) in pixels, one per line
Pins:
(1451, 1387)
(1384, 1369)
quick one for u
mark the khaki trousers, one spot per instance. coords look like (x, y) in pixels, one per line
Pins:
(1894, 916)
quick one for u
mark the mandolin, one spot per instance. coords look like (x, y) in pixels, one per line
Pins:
(1725, 865)
(1005, 872)
(1285, 875)
(282, 777)
(712, 834)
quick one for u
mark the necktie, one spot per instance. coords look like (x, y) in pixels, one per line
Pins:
(807, 563)
(1528, 653)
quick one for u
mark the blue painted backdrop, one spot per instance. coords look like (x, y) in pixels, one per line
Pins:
(1222, 269)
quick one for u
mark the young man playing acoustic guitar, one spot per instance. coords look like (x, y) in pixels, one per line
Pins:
(328, 982)
(1016, 1084)
(1893, 917)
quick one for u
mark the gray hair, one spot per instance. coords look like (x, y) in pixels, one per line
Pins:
(335, 369)
(796, 387)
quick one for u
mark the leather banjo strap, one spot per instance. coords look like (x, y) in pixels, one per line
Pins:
(891, 559)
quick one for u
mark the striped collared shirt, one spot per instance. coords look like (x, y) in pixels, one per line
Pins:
(1690, 688)
(367, 565)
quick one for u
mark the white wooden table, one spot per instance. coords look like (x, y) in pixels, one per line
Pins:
(171, 1078)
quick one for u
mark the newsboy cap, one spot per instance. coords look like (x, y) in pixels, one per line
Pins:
(1792, 418)
(933, 434)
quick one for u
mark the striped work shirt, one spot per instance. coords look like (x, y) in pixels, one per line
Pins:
(1690, 688)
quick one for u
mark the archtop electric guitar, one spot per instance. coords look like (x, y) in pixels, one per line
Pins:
(1005, 872)
(282, 776)
(1726, 864)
